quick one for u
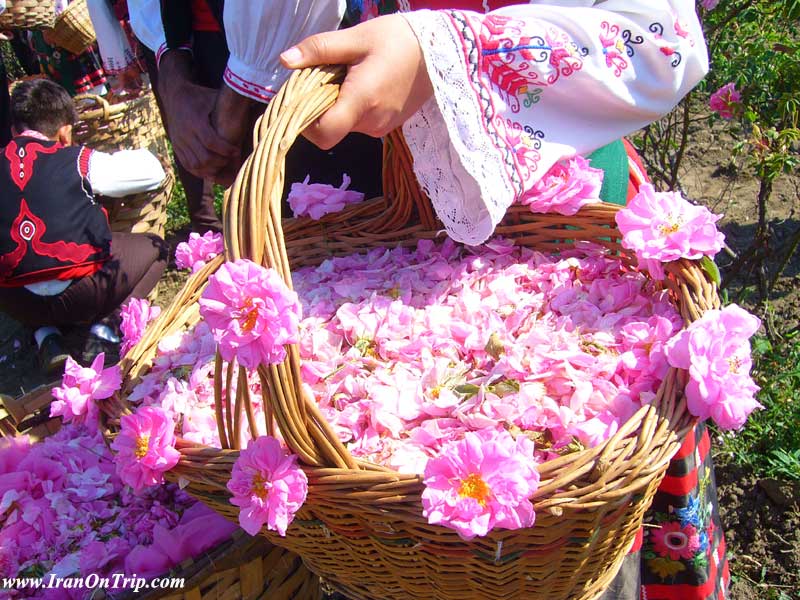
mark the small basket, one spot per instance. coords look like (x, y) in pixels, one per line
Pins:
(128, 124)
(29, 414)
(239, 567)
(73, 29)
(28, 14)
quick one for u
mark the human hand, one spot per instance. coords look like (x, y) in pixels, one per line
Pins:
(128, 81)
(188, 107)
(233, 118)
(387, 80)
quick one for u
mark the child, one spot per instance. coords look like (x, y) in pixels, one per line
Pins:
(60, 264)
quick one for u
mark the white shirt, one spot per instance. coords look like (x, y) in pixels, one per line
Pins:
(256, 32)
(115, 50)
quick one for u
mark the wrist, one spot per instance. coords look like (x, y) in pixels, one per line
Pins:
(232, 115)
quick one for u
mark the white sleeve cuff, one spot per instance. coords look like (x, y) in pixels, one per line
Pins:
(258, 84)
(456, 163)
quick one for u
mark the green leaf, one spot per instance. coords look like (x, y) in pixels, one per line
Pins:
(711, 269)
(468, 389)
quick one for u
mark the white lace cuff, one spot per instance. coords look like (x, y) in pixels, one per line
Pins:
(463, 172)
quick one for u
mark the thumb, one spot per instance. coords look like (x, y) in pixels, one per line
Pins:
(330, 48)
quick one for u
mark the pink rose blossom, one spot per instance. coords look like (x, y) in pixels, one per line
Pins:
(136, 313)
(725, 101)
(81, 386)
(251, 312)
(481, 482)
(267, 486)
(318, 199)
(565, 188)
(715, 350)
(145, 447)
(195, 252)
(675, 541)
(662, 227)
(9, 559)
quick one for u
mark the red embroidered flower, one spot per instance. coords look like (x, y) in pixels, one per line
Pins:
(675, 541)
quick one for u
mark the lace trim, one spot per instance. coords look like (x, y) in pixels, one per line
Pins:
(458, 158)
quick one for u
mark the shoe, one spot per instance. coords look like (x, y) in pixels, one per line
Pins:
(95, 345)
(52, 356)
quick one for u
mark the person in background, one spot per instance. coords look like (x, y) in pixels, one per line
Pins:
(218, 66)
(60, 264)
(118, 48)
(77, 73)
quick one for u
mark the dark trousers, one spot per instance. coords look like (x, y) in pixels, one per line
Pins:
(199, 194)
(626, 585)
(136, 264)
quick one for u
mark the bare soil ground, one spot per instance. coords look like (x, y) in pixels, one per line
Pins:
(762, 517)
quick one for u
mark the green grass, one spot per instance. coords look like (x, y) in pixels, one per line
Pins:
(769, 443)
(178, 212)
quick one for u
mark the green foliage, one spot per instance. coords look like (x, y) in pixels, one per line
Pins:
(770, 442)
(755, 45)
(177, 211)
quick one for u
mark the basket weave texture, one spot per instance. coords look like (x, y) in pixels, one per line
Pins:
(239, 567)
(28, 14)
(128, 124)
(73, 29)
(361, 527)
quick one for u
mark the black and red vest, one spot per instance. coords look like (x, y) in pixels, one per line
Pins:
(50, 225)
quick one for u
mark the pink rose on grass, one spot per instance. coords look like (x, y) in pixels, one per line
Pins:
(195, 252)
(481, 482)
(565, 188)
(252, 313)
(81, 386)
(145, 447)
(725, 101)
(715, 350)
(267, 485)
(675, 541)
(316, 200)
(662, 227)
(136, 314)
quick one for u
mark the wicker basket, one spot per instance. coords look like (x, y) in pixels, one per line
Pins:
(28, 14)
(361, 527)
(73, 29)
(239, 567)
(133, 123)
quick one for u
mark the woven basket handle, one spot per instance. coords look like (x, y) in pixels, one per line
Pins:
(253, 230)
(93, 99)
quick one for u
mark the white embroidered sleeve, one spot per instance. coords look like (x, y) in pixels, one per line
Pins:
(111, 39)
(523, 87)
(258, 32)
(145, 17)
(124, 172)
